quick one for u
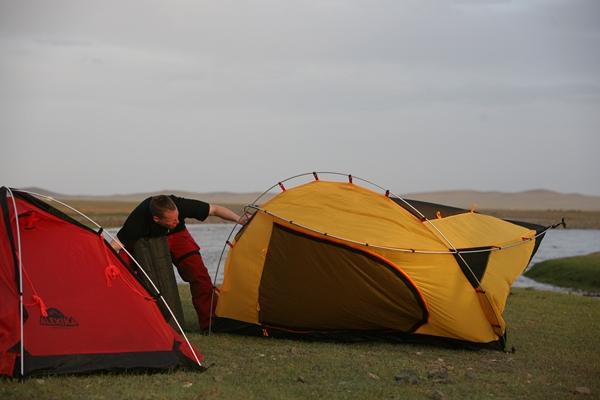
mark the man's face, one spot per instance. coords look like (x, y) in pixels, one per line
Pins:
(169, 219)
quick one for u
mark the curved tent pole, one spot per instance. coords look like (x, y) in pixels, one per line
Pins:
(400, 197)
(370, 183)
(324, 173)
(102, 230)
(19, 252)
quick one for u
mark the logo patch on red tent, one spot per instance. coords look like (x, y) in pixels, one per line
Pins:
(57, 319)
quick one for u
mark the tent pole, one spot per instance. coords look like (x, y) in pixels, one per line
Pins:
(22, 346)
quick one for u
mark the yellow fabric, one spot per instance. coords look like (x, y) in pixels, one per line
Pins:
(477, 230)
(503, 268)
(491, 312)
(454, 309)
(238, 298)
(355, 213)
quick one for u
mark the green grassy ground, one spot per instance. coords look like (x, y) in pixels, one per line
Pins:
(555, 336)
(582, 272)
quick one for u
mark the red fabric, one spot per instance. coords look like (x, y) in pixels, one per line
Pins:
(9, 303)
(68, 267)
(192, 270)
(7, 363)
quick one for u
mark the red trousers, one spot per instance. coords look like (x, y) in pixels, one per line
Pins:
(185, 254)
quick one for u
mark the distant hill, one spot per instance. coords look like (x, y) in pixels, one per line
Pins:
(539, 199)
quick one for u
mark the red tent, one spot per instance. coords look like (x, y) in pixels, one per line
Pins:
(81, 309)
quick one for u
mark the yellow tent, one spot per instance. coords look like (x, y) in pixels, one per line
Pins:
(330, 257)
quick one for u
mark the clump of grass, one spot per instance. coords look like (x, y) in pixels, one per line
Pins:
(581, 272)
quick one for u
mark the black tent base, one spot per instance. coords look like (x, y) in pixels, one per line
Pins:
(134, 362)
(231, 326)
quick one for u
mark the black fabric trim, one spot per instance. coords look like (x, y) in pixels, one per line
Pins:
(537, 228)
(538, 231)
(49, 209)
(186, 255)
(428, 209)
(538, 241)
(378, 261)
(477, 263)
(154, 361)
(231, 326)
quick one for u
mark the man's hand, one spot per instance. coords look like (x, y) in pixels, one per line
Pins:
(243, 220)
(227, 214)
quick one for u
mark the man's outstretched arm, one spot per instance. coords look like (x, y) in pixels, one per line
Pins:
(226, 214)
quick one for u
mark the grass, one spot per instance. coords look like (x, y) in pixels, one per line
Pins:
(581, 272)
(555, 336)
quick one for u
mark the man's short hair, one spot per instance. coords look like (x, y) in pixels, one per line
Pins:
(161, 203)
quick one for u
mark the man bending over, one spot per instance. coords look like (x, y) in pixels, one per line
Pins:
(165, 216)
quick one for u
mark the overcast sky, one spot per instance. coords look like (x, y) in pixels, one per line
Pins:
(127, 96)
